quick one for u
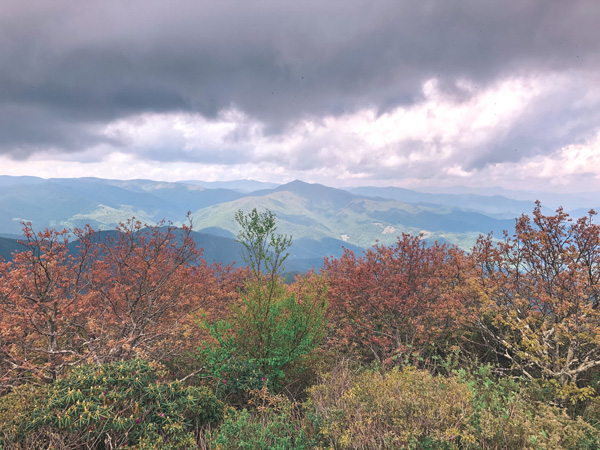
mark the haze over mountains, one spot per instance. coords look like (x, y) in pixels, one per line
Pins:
(321, 219)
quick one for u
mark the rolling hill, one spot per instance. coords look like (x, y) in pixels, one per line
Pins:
(68, 203)
(321, 219)
(496, 205)
(318, 212)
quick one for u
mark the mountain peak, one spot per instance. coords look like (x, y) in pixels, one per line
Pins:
(315, 191)
(296, 184)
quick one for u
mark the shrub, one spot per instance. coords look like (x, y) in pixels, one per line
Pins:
(411, 409)
(16, 409)
(260, 344)
(507, 416)
(105, 297)
(398, 409)
(120, 405)
(274, 423)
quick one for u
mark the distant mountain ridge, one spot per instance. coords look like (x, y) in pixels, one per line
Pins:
(316, 211)
(244, 186)
(7, 247)
(321, 219)
(494, 204)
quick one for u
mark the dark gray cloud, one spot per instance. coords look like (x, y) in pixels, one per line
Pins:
(70, 67)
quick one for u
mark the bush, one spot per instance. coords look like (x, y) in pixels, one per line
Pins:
(507, 416)
(411, 409)
(398, 409)
(273, 424)
(262, 342)
(121, 405)
(398, 303)
(16, 409)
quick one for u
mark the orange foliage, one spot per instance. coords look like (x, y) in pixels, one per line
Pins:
(43, 305)
(116, 295)
(539, 294)
(394, 302)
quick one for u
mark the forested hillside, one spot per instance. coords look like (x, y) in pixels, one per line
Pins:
(130, 339)
(321, 219)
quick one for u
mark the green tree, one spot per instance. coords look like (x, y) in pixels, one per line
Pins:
(264, 251)
(276, 325)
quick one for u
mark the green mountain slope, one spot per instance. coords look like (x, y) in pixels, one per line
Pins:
(68, 203)
(318, 212)
(321, 219)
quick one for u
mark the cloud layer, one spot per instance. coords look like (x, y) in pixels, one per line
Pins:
(390, 92)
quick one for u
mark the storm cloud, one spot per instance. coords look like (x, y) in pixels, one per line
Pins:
(277, 81)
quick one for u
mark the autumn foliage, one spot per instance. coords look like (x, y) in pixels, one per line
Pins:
(395, 302)
(108, 297)
(539, 298)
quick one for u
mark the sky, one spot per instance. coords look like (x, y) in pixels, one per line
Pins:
(404, 93)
